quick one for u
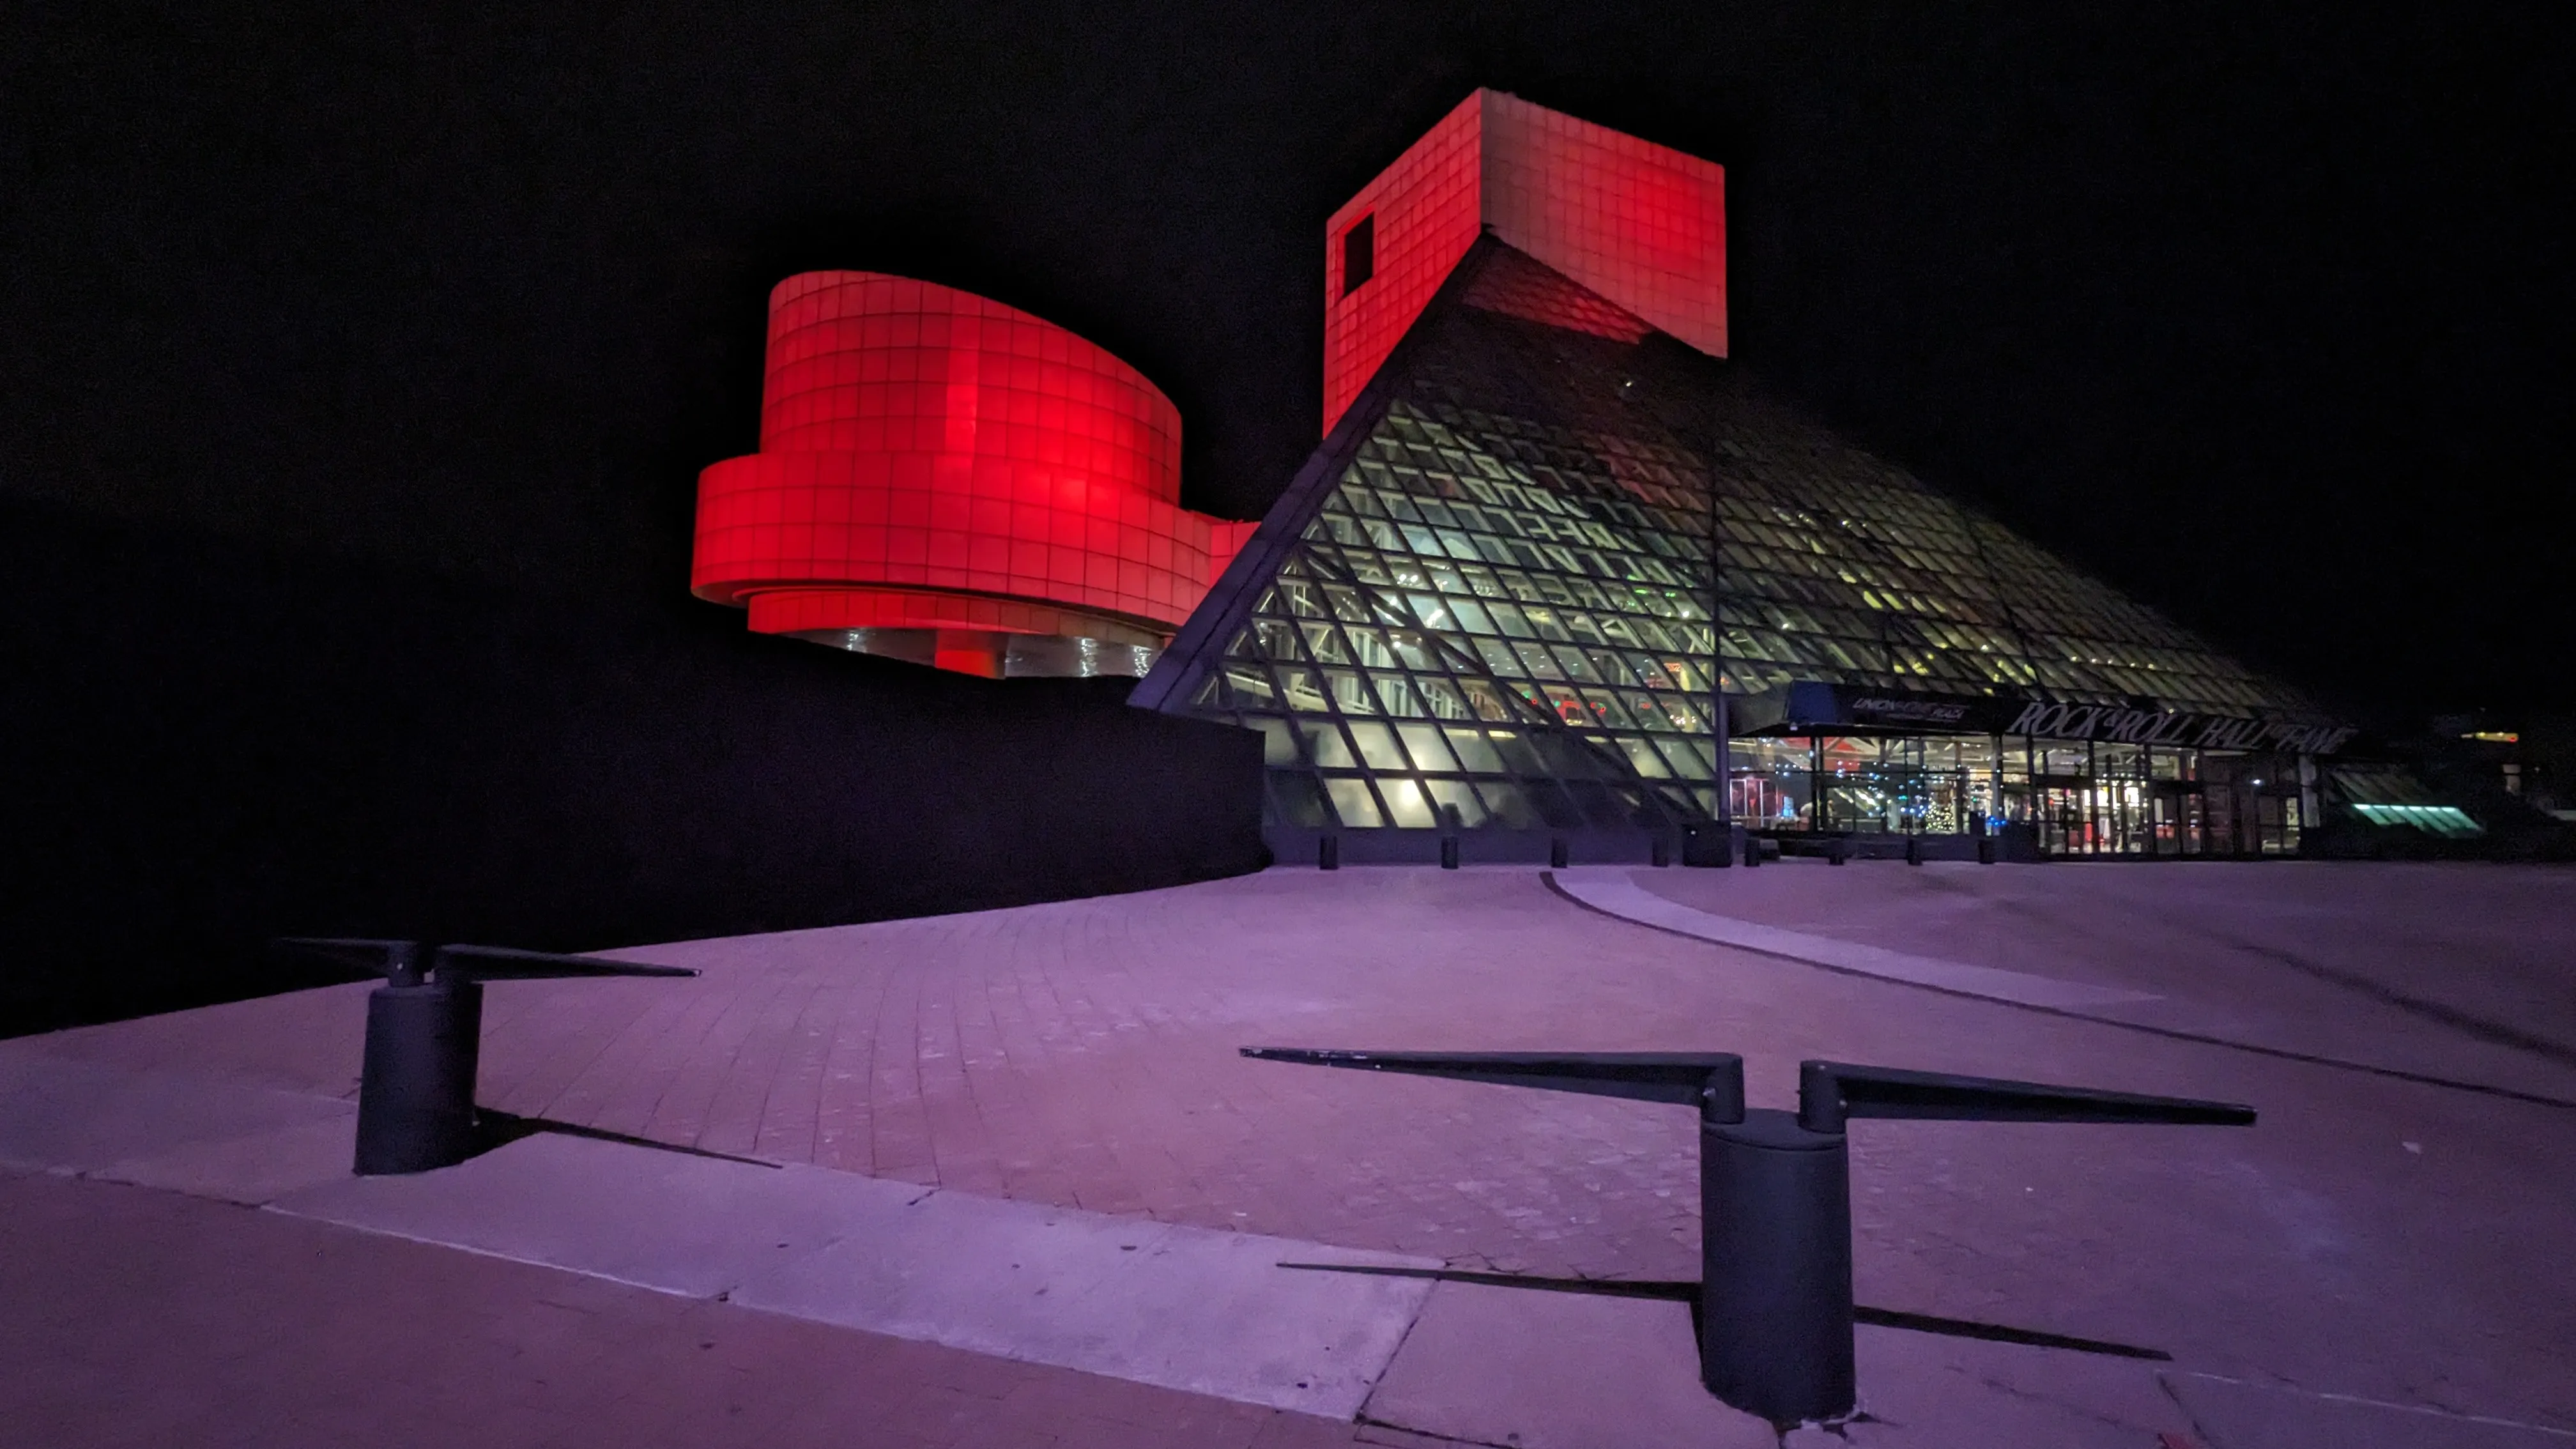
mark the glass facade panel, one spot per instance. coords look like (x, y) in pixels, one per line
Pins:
(1496, 597)
(1353, 802)
(1376, 745)
(1406, 804)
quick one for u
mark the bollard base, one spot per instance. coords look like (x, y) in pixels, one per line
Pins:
(416, 1084)
(1776, 1268)
(1707, 846)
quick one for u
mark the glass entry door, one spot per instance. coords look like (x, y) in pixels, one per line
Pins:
(2180, 822)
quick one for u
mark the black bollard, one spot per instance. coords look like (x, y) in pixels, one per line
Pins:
(1986, 849)
(1328, 853)
(1556, 856)
(1775, 1189)
(1837, 850)
(416, 1081)
(1775, 1252)
(1706, 845)
(1660, 850)
(1914, 850)
(425, 1039)
(1450, 825)
(1753, 850)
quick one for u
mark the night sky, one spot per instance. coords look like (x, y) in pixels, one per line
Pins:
(2252, 310)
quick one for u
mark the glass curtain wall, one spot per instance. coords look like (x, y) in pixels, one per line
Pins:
(1497, 608)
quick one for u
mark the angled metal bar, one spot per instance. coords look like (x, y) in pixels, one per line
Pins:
(406, 962)
(345, 946)
(505, 963)
(1830, 1093)
(1775, 1290)
(398, 961)
(1713, 1082)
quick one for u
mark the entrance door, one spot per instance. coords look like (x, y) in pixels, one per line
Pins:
(2233, 828)
(2062, 810)
(2181, 823)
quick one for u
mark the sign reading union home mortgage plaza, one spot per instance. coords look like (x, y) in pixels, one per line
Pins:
(1800, 708)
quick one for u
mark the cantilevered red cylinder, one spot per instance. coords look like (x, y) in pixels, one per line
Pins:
(946, 479)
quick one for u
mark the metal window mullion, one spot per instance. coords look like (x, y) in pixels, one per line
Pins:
(1546, 718)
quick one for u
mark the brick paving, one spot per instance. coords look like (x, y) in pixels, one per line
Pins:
(2327, 958)
(1082, 1053)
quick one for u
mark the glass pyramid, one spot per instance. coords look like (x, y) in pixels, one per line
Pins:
(1490, 591)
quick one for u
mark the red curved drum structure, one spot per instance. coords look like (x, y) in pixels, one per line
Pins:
(948, 480)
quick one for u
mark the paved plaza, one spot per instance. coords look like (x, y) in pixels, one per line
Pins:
(2389, 1256)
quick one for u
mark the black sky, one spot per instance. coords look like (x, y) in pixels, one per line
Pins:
(2254, 310)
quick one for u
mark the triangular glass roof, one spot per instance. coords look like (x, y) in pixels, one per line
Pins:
(1489, 591)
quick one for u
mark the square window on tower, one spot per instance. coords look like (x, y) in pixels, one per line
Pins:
(1359, 253)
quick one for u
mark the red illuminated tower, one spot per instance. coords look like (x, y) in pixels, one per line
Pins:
(1640, 225)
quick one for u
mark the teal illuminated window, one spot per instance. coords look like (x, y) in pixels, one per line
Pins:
(2436, 819)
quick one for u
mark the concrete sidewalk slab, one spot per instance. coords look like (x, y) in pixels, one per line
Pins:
(1550, 1370)
(131, 1317)
(1936, 1391)
(1204, 1311)
(252, 1169)
(2232, 1414)
(208, 1137)
(1542, 1369)
(1609, 890)
(1185, 1308)
(670, 1221)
